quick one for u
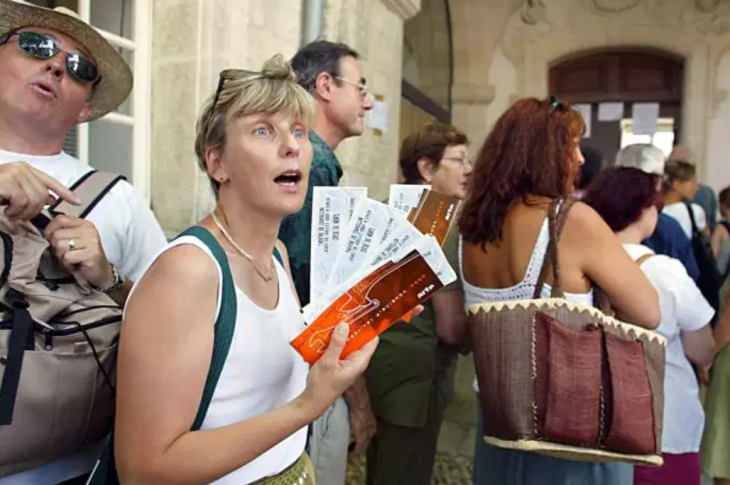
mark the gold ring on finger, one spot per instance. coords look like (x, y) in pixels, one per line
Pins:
(71, 244)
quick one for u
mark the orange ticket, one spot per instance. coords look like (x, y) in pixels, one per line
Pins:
(371, 306)
(435, 215)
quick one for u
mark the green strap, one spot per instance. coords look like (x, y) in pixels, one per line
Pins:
(105, 472)
(278, 257)
(225, 324)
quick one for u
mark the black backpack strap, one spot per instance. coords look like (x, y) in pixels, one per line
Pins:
(90, 189)
(104, 472)
(695, 229)
(20, 340)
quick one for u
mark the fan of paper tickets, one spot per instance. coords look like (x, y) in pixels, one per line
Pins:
(373, 263)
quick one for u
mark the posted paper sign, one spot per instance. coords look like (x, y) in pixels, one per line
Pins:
(405, 197)
(378, 117)
(611, 111)
(646, 117)
(332, 208)
(586, 111)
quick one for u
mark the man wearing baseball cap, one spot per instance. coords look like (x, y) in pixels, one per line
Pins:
(56, 72)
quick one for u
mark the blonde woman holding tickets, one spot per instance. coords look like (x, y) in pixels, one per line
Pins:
(253, 143)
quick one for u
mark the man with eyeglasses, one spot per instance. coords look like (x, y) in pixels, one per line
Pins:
(331, 73)
(56, 72)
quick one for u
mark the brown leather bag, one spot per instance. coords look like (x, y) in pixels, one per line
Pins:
(58, 342)
(565, 379)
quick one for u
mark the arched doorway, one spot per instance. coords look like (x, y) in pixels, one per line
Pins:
(626, 76)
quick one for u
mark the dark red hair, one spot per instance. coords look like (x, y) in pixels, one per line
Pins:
(621, 195)
(530, 151)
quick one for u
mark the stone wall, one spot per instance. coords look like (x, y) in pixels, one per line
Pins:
(518, 41)
(193, 40)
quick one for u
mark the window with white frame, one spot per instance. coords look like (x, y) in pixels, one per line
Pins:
(118, 142)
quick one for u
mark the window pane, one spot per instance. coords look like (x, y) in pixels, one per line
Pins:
(115, 16)
(110, 148)
(126, 107)
(70, 142)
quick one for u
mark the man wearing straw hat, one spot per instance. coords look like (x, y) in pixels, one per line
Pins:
(56, 72)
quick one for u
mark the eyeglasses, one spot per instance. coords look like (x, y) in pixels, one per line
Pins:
(463, 161)
(43, 46)
(364, 90)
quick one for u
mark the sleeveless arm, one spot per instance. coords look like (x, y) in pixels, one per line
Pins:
(164, 358)
(589, 244)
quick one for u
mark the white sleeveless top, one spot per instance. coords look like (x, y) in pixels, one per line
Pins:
(262, 372)
(525, 289)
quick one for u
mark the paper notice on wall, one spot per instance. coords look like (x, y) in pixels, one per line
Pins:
(378, 117)
(587, 111)
(332, 208)
(611, 111)
(405, 197)
(645, 118)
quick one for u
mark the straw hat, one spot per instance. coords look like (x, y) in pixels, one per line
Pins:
(116, 76)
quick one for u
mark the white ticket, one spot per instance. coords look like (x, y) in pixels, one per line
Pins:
(427, 246)
(332, 208)
(399, 241)
(405, 197)
(371, 222)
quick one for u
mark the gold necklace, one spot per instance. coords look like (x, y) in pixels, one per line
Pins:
(244, 253)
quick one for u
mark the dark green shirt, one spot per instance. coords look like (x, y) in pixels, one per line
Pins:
(410, 360)
(296, 230)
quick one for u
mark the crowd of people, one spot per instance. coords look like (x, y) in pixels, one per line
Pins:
(208, 389)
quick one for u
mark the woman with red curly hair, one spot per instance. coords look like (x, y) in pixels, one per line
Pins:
(531, 157)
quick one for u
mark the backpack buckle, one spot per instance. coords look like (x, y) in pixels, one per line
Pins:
(16, 299)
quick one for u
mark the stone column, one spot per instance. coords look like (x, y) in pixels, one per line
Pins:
(193, 40)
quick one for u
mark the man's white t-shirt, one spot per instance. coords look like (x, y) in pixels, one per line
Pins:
(131, 237)
(679, 211)
(683, 309)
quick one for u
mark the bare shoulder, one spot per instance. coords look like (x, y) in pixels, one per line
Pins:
(181, 269)
(187, 261)
(585, 223)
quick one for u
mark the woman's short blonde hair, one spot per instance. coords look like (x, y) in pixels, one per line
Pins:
(242, 93)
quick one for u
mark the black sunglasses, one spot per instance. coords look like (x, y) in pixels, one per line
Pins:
(555, 103)
(225, 76)
(43, 46)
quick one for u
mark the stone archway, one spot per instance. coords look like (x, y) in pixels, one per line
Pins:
(534, 48)
(629, 76)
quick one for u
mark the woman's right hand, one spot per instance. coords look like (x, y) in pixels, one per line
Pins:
(331, 376)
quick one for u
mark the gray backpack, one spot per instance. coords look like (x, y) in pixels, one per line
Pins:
(58, 343)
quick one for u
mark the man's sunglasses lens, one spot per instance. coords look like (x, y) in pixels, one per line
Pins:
(37, 45)
(44, 47)
(82, 68)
